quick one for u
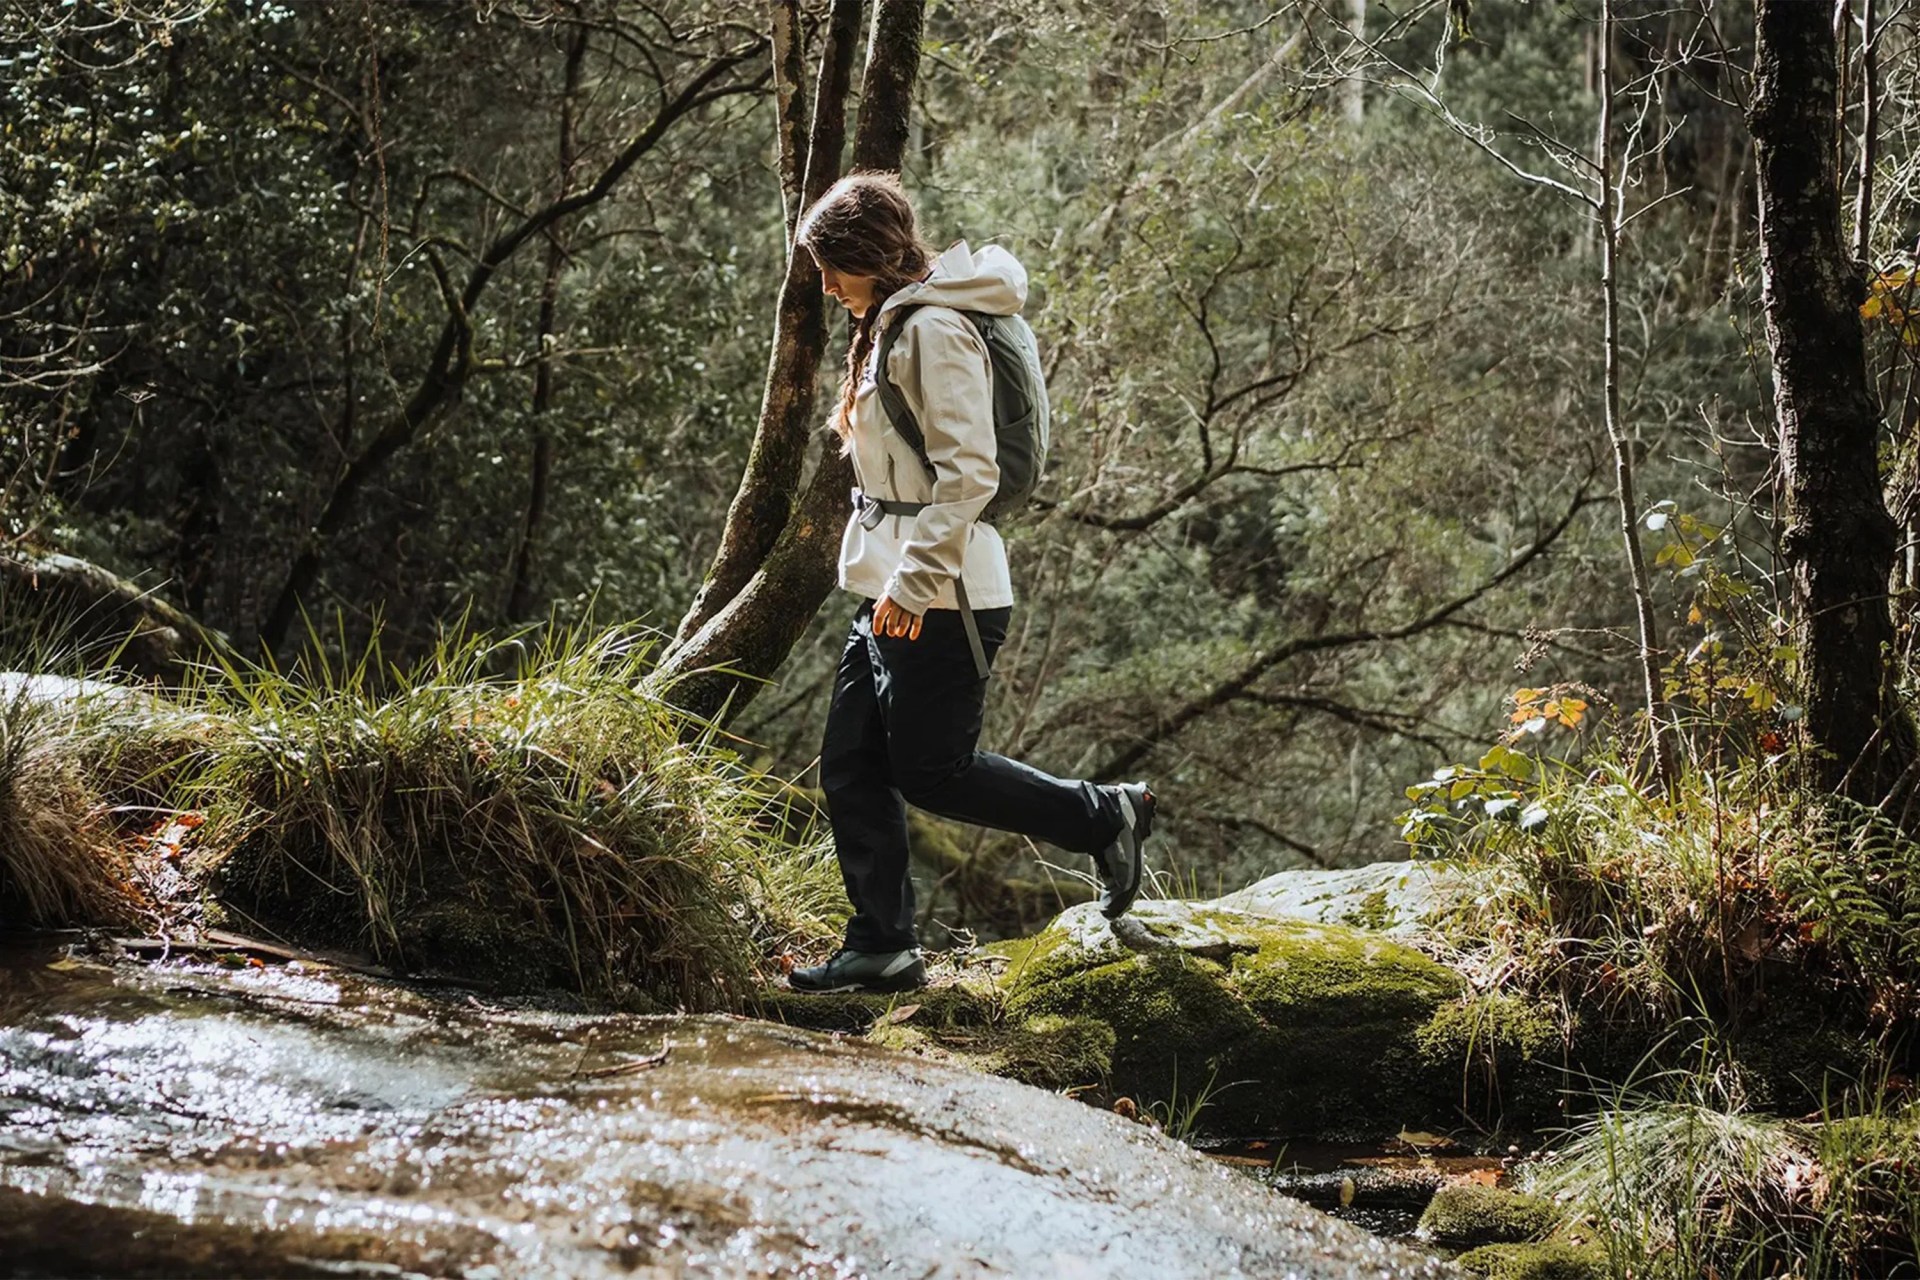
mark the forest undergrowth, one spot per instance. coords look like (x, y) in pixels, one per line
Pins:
(1760, 934)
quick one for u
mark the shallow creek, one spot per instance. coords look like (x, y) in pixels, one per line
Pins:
(190, 1118)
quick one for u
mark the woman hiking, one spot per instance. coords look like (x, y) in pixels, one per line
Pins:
(911, 685)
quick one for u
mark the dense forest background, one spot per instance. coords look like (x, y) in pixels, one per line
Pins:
(329, 320)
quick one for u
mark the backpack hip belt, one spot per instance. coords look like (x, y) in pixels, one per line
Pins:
(872, 511)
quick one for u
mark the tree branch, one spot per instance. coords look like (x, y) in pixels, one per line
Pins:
(1171, 725)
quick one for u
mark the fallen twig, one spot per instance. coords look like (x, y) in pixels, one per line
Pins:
(632, 1067)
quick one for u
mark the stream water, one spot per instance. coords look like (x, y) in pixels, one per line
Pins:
(192, 1118)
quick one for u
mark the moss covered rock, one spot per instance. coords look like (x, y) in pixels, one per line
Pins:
(966, 1000)
(1463, 1215)
(1550, 1260)
(1283, 1027)
(1046, 1051)
(1255, 1025)
(1248, 1024)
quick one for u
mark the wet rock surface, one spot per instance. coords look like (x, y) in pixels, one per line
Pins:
(294, 1120)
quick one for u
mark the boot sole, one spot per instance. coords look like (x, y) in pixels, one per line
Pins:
(885, 986)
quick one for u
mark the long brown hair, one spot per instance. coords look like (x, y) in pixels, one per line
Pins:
(864, 226)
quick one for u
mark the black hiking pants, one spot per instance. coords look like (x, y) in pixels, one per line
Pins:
(902, 730)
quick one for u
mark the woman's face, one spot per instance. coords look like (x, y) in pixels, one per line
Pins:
(855, 293)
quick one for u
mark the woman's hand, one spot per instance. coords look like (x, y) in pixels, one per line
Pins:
(889, 619)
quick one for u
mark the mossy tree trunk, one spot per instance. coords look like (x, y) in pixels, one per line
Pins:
(1839, 540)
(751, 633)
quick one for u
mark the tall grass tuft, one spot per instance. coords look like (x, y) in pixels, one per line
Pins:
(527, 815)
(547, 825)
(59, 862)
(1695, 1184)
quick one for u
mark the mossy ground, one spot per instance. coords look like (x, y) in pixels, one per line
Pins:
(1465, 1215)
(1301, 1029)
(1548, 1260)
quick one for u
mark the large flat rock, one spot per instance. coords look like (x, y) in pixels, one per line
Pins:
(1395, 898)
(196, 1120)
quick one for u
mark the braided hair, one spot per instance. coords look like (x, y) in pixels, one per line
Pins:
(864, 226)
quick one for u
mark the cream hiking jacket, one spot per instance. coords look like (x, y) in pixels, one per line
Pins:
(940, 365)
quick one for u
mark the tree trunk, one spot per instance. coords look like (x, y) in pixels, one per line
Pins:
(764, 500)
(720, 668)
(755, 630)
(886, 93)
(109, 621)
(520, 592)
(1351, 93)
(1839, 540)
(1612, 216)
(790, 109)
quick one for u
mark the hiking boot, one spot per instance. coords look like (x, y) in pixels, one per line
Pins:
(862, 971)
(1120, 865)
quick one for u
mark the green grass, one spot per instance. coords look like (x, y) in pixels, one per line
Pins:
(1694, 1183)
(58, 859)
(1181, 1112)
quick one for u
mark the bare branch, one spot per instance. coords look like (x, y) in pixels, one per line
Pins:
(1171, 725)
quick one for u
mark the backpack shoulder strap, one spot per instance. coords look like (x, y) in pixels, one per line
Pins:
(892, 399)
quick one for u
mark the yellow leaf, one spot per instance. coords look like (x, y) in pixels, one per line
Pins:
(1417, 1138)
(1347, 1190)
(1872, 306)
(1694, 615)
(1524, 696)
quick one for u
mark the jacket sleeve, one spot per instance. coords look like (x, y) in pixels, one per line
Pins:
(941, 366)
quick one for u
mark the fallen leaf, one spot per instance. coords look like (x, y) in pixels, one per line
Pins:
(1347, 1190)
(64, 966)
(900, 1014)
(1415, 1138)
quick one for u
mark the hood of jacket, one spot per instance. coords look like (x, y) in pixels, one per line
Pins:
(992, 281)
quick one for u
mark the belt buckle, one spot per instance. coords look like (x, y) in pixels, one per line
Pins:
(870, 513)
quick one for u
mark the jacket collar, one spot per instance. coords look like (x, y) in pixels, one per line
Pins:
(957, 260)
